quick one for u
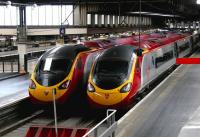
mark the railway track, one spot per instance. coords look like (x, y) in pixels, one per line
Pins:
(66, 116)
(16, 114)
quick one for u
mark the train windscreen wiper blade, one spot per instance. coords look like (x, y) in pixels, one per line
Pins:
(109, 75)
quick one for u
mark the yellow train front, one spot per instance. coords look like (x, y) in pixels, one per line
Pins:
(113, 80)
(59, 68)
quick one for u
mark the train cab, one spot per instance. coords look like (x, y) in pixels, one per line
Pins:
(113, 77)
(60, 68)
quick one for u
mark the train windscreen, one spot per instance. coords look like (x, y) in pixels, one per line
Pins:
(109, 74)
(51, 71)
(56, 65)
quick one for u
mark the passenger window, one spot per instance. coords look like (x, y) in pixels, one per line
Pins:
(162, 59)
(153, 62)
(184, 47)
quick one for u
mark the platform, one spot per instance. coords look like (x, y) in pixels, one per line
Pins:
(192, 127)
(4, 76)
(168, 108)
(13, 89)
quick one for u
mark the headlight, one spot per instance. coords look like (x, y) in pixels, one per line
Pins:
(32, 84)
(90, 88)
(125, 88)
(64, 85)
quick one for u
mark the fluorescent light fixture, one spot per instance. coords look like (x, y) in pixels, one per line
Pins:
(34, 5)
(154, 14)
(198, 1)
(8, 3)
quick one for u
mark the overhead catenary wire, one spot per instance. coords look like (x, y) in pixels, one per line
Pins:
(140, 8)
(74, 7)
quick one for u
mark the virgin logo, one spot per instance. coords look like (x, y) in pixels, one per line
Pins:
(46, 93)
(107, 96)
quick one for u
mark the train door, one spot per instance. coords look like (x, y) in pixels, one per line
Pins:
(147, 70)
(138, 67)
(176, 50)
(192, 42)
(138, 71)
(153, 65)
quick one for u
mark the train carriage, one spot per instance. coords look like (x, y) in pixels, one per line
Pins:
(60, 68)
(122, 72)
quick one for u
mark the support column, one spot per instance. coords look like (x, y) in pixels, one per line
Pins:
(194, 24)
(182, 24)
(150, 20)
(120, 21)
(199, 26)
(116, 21)
(147, 21)
(22, 50)
(136, 21)
(106, 20)
(92, 20)
(127, 21)
(132, 21)
(22, 38)
(111, 20)
(76, 15)
(80, 15)
(83, 15)
(99, 20)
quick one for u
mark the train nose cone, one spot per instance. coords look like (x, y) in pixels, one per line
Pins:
(45, 94)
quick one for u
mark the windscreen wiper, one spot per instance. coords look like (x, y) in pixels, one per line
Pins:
(49, 71)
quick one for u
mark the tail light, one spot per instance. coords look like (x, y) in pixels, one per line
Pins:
(125, 88)
(64, 85)
(90, 88)
(32, 84)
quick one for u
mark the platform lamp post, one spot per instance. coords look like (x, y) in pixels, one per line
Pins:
(55, 112)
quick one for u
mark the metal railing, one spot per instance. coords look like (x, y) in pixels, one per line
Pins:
(9, 63)
(31, 56)
(111, 126)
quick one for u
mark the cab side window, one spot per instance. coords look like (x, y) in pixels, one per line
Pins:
(184, 47)
(159, 61)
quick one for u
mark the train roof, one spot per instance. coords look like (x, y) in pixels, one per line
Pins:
(127, 40)
(65, 51)
(142, 37)
(101, 43)
(120, 52)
